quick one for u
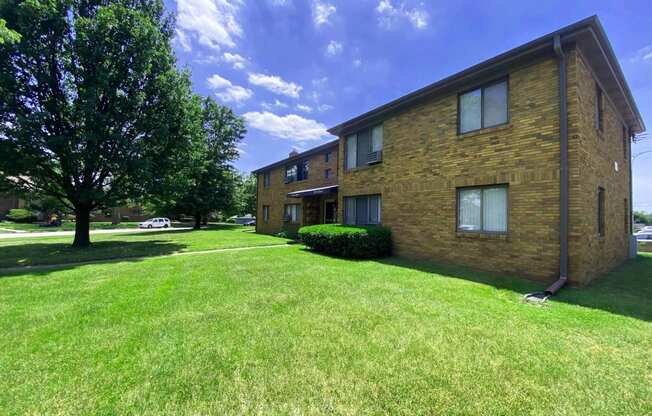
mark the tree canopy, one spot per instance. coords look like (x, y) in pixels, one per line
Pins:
(93, 110)
(211, 180)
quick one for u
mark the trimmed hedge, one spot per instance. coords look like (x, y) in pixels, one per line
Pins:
(348, 240)
(21, 215)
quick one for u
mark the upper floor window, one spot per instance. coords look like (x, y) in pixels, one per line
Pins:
(483, 107)
(327, 174)
(599, 108)
(364, 147)
(327, 157)
(482, 209)
(267, 179)
(362, 210)
(291, 173)
(296, 171)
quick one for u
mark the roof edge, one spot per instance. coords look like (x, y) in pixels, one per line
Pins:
(301, 155)
(566, 33)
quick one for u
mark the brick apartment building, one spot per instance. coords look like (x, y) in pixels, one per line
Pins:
(520, 164)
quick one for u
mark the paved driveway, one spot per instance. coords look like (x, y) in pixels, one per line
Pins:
(93, 232)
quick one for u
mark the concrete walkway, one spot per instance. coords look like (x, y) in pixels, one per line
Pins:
(119, 259)
(93, 232)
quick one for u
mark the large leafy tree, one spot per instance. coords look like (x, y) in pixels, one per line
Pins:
(245, 195)
(92, 107)
(210, 182)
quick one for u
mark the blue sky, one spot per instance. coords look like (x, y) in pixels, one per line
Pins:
(293, 68)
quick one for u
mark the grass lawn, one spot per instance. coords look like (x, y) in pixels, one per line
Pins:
(65, 226)
(27, 251)
(292, 332)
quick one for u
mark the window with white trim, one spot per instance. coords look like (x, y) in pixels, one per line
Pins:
(482, 209)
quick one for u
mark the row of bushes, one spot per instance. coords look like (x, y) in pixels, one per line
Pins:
(20, 215)
(347, 240)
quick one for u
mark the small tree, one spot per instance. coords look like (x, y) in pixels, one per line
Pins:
(92, 107)
(211, 184)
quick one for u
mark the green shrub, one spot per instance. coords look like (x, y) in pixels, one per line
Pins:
(21, 215)
(348, 240)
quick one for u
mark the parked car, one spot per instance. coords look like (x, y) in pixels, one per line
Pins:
(646, 229)
(155, 223)
(251, 223)
(644, 235)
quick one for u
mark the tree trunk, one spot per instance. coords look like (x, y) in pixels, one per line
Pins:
(197, 221)
(115, 216)
(82, 226)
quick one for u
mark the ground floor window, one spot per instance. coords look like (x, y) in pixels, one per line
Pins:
(292, 213)
(362, 210)
(482, 209)
(265, 214)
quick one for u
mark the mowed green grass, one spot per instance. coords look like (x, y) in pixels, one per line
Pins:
(27, 251)
(65, 226)
(287, 331)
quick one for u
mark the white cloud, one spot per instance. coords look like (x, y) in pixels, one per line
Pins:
(321, 12)
(212, 22)
(390, 15)
(324, 107)
(182, 40)
(216, 82)
(275, 104)
(291, 127)
(226, 91)
(235, 93)
(334, 48)
(236, 60)
(357, 63)
(643, 54)
(210, 59)
(275, 84)
(304, 108)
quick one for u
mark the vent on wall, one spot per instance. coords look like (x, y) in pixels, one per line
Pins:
(374, 157)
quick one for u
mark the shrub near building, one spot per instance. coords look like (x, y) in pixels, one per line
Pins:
(347, 240)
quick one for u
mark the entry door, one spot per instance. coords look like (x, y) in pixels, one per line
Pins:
(330, 212)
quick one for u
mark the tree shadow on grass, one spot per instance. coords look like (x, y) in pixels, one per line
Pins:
(49, 254)
(626, 291)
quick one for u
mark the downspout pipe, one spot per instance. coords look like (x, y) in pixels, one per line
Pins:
(563, 170)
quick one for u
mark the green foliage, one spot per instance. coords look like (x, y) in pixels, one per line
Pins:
(643, 217)
(211, 181)
(348, 241)
(7, 35)
(21, 215)
(245, 196)
(92, 107)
